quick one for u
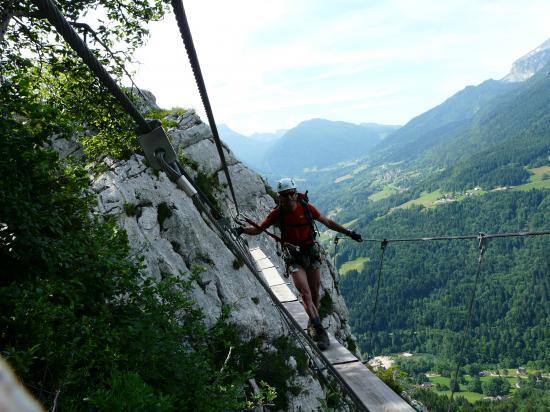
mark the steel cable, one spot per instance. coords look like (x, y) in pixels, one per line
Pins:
(185, 32)
(482, 238)
(383, 246)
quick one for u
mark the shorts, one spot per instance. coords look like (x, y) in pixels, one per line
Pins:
(307, 257)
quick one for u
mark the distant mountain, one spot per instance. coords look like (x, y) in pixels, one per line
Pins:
(268, 137)
(318, 143)
(531, 63)
(249, 150)
(484, 135)
(383, 130)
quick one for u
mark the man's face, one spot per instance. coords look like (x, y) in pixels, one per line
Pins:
(288, 197)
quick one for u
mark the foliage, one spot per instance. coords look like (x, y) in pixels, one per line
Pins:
(496, 387)
(77, 316)
(531, 397)
(509, 316)
(64, 81)
(475, 385)
(237, 264)
(326, 306)
(392, 377)
(168, 117)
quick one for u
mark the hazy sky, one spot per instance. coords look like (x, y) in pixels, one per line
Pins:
(269, 65)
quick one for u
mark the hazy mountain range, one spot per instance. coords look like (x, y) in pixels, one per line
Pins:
(311, 145)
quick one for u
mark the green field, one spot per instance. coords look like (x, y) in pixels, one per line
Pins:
(351, 222)
(472, 396)
(357, 264)
(342, 178)
(386, 192)
(540, 184)
(539, 173)
(426, 200)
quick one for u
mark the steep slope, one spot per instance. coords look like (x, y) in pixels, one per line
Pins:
(439, 124)
(508, 134)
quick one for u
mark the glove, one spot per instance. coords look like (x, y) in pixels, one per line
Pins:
(355, 236)
(239, 230)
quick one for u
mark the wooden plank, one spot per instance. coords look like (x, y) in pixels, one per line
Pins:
(298, 312)
(283, 293)
(264, 263)
(338, 353)
(374, 393)
(257, 253)
(272, 277)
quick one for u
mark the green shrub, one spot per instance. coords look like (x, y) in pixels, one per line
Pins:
(237, 264)
(131, 209)
(77, 316)
(162, 114)
(326, 307)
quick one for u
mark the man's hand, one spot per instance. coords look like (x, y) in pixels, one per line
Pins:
(355, 236)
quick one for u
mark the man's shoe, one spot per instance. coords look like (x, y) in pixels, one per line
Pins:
(312, 331)
(323, 342)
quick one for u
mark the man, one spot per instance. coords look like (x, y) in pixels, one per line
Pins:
(302, 253)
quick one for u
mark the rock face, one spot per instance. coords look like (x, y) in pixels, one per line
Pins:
(526, 66)
(174, 239)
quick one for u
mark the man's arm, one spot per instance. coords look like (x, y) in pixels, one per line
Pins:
(331, 224)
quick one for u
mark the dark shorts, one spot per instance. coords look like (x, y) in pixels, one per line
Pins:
(308, 257)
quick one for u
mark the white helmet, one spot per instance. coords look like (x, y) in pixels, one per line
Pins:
(285, 184)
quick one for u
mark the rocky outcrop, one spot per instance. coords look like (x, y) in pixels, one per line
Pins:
(526, 66)
(174, 239)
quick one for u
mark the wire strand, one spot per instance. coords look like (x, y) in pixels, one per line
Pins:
(185, 32)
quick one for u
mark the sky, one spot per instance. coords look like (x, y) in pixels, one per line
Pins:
(270, 65)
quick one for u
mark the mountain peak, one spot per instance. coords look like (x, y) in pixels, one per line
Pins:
(528, 65)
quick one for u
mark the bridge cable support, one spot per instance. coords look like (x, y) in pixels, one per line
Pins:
(482, 246)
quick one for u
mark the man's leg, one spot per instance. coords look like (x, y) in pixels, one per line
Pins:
(320, 335)
(314, 282)
(301, 282)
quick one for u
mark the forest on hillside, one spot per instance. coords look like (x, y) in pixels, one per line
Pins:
(426, 286)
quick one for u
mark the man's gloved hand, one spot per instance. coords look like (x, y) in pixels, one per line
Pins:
(355, 236)
(239, 230)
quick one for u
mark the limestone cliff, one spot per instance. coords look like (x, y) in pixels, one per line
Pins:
(172, 236)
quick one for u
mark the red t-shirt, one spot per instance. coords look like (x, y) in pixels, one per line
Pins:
(297, 229)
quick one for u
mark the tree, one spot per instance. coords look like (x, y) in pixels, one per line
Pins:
(475, 385)
(455, 387)
(29, 43)
(496, 387)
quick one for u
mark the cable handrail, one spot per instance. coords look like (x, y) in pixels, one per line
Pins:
(187, 38)
(451, 237)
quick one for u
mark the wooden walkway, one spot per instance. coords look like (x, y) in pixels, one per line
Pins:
(369, 389)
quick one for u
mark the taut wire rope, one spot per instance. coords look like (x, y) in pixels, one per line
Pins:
(185, 32)
(383, 246)
(482, 247)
